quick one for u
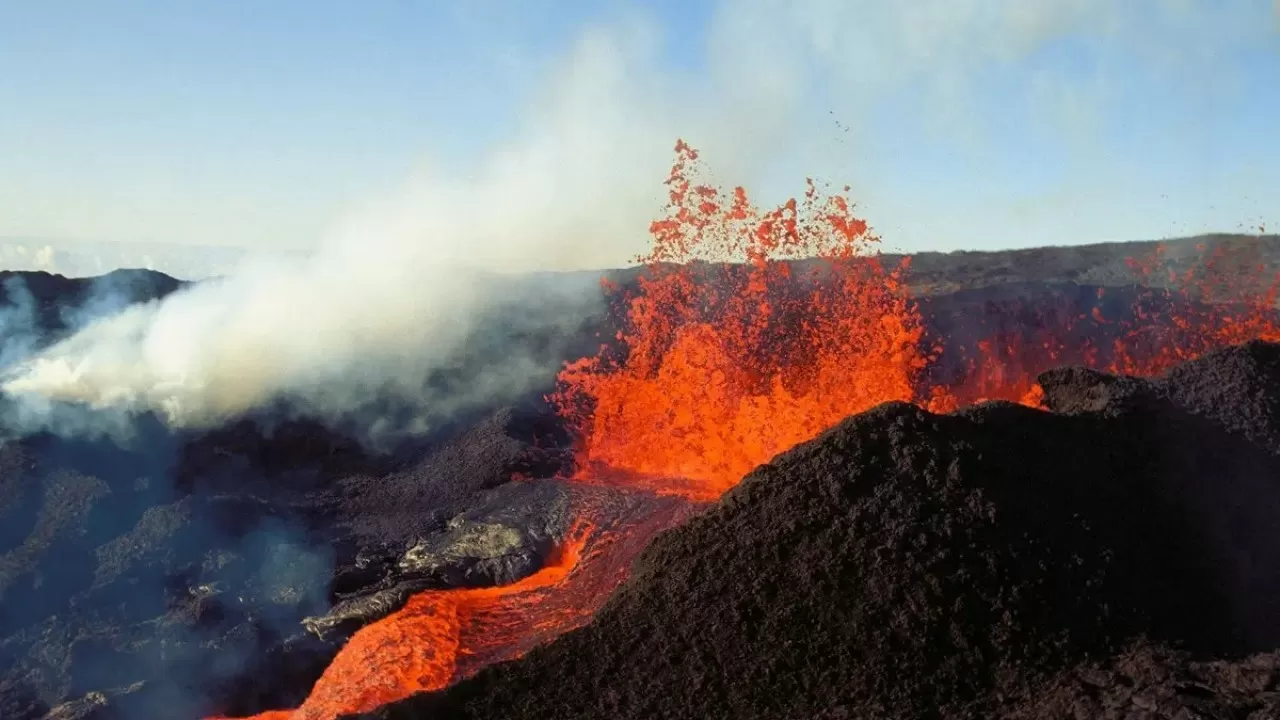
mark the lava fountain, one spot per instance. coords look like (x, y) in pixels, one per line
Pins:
(723, 365)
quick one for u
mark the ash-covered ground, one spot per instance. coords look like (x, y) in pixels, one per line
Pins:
(1112, 557)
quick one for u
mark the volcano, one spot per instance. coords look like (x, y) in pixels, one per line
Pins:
(777, 474)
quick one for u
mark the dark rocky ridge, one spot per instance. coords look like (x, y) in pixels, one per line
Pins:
(52, 295)
(1098, 264)
(1102, 264)
(1146, 682)
(998, 562)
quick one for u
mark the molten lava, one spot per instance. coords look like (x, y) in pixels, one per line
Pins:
(1220, 298)
(719, 367)
(727, 365)
(441, 636)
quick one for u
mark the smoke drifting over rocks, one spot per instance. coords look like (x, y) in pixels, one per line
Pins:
(297, 340)
(153, 570)
(195, 572)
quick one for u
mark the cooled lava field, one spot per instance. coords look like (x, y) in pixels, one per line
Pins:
(1031, 484)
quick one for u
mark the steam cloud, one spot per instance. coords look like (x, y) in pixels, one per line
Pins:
(395, 293)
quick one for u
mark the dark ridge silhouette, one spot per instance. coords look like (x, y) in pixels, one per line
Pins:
(54, 294)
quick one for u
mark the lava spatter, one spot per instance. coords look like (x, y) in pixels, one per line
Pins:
(751, 330)
(1223, 297)
(728, 364)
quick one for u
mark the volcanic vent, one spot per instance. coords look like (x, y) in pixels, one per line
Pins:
(722, 365)
(907, 562)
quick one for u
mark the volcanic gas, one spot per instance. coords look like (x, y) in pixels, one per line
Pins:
(748, 331)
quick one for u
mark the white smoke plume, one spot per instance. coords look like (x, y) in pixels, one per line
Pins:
(397, 290)
(17, 322)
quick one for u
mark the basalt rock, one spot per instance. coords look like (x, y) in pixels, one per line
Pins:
(1157, 683)
(504, 536)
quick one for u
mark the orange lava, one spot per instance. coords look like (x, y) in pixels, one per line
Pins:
(728, 365)
(442, 636)
(719, 366)
(1221, 298)
(439, 636)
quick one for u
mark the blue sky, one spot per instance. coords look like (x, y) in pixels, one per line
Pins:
(975, 124)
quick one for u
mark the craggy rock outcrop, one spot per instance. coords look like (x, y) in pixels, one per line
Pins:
(502, 538)
(986, 563)
(45, 304)
(1150, 683)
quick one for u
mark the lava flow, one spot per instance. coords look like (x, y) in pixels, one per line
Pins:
(442, 636)
(718, 366)
(432, 640)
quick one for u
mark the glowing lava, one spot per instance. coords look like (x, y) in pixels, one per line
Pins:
(1221, 298)
(441, 636)
(728, 365)
(719, 367)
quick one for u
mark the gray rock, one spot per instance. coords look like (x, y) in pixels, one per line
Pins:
(505, 536)
(81, 708)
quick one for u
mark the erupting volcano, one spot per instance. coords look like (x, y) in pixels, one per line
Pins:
(747, 332)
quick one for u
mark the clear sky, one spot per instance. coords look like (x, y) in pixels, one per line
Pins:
(959, 123)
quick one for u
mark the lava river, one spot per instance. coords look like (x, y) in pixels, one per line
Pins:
(715, 369)
(442, 636)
